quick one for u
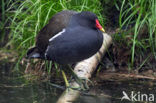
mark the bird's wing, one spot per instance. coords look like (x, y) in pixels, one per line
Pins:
(75, 44)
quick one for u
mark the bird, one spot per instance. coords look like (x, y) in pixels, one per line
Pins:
(59, 21)
(69, 37)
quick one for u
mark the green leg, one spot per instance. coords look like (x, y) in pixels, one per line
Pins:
(65, 78)
(81, 81)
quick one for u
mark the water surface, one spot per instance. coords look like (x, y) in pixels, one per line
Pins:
(16, 89)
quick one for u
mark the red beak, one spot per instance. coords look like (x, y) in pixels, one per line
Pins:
(98, 25)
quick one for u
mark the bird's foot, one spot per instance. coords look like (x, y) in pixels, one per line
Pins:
(82, 83)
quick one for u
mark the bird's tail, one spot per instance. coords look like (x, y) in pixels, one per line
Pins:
(34, 53)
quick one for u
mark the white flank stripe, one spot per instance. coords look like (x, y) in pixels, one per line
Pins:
(58, 34)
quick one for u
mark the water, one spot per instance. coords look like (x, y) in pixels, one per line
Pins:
(30, 94)
(15, 89)
(112, 92)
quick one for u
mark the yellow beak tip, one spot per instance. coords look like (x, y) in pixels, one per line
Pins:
(103, 30)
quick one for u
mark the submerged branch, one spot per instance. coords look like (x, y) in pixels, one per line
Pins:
(124, 76)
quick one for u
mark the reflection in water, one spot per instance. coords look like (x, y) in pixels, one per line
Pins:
(15, 89)
(28, 94)
(94, 99)
(112, 92)
(12, 90)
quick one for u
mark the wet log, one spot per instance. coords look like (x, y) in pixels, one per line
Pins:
(85, 69)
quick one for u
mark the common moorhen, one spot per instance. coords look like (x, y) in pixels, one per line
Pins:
(68, 38)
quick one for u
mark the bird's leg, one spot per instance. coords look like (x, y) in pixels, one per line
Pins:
(65, 78)
(81, 81)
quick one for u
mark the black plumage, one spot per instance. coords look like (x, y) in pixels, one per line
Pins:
(79, 39)
(55, 25)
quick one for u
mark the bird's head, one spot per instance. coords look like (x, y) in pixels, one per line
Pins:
(89, 19)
